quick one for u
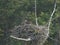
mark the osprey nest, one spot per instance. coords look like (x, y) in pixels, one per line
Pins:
(37, 34)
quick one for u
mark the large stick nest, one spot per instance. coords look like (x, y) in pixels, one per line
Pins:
(30, 31)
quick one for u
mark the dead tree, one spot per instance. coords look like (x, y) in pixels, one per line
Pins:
(32, 34)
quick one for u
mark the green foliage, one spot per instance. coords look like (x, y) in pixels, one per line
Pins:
(13, 12)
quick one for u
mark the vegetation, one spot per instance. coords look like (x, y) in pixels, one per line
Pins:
(14, 12)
